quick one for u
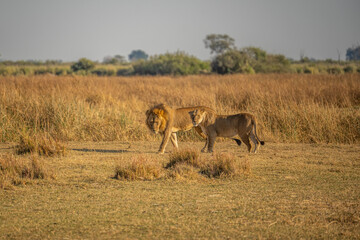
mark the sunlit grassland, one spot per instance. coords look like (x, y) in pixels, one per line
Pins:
(89, 169)
(289, 107)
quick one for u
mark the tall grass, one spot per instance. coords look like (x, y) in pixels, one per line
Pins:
(289, 107)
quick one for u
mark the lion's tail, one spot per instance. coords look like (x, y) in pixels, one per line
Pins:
(256, 136)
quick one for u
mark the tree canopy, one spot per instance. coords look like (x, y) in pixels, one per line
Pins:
(353, 54)
(219, 43)
(137, 55)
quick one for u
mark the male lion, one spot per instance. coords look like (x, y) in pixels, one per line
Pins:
(167, 121)
(213, 125)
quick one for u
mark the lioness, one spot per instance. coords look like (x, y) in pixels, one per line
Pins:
(213, 125)
(167, 121)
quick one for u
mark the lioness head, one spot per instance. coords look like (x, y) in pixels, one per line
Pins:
(197, 116)
(156, 118)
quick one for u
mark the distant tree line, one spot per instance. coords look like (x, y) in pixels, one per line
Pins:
(226, 59)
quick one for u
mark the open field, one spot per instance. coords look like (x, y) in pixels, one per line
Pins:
(303, 184)
(294, 191)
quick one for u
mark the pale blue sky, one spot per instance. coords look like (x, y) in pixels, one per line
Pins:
(70, 29)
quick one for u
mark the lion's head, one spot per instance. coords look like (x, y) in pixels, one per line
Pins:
(157, 118)
(197, 116)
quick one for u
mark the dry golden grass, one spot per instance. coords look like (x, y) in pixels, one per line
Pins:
(294, 191)
(140, 168)
(43, 145)
(185, 164)
(16, 171)
(289, 107)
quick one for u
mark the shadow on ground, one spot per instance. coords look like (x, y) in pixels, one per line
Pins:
(99, 150)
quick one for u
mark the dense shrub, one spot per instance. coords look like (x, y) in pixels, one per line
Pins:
(349, 69)
(43, 70)
(103, 72)
(229, 62)
(83, 65)
(249, 60)
(178, 63)
(334, 70)
(125, 71)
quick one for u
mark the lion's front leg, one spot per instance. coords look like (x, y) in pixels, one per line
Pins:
(164, 142)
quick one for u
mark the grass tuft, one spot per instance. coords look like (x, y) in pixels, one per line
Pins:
(43, 145)
(187, 156)
(185, 164)
(140, 168)
(225, 165)
(17, 171)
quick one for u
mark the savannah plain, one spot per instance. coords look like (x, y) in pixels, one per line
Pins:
(84, 133)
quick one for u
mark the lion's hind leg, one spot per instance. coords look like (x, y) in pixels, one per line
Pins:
(246, 140)
(255, 141)
(173, 139)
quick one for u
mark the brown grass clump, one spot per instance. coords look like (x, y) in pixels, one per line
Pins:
(16, 171)
(42, 144)
(185, 164)
(140, 168)
(189, 157)
(225, 165)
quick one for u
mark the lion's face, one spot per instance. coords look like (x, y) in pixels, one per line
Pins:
(197, 116)
(155, 121)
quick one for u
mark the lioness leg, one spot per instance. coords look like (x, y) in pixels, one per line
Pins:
(211, 143)
(206, 144)
(245, 139)
(173, 139)
(200, 132)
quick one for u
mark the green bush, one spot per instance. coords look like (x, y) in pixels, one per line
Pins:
(250, 60)
(83, 65)
(125, 71)
(310, 70)
(349, 69)
(229, 62)
(334, 70)
(7, 71)
(42, 71)
(178, 63)
(103, 72)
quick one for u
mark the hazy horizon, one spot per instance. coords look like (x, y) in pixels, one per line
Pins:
(69, 30)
